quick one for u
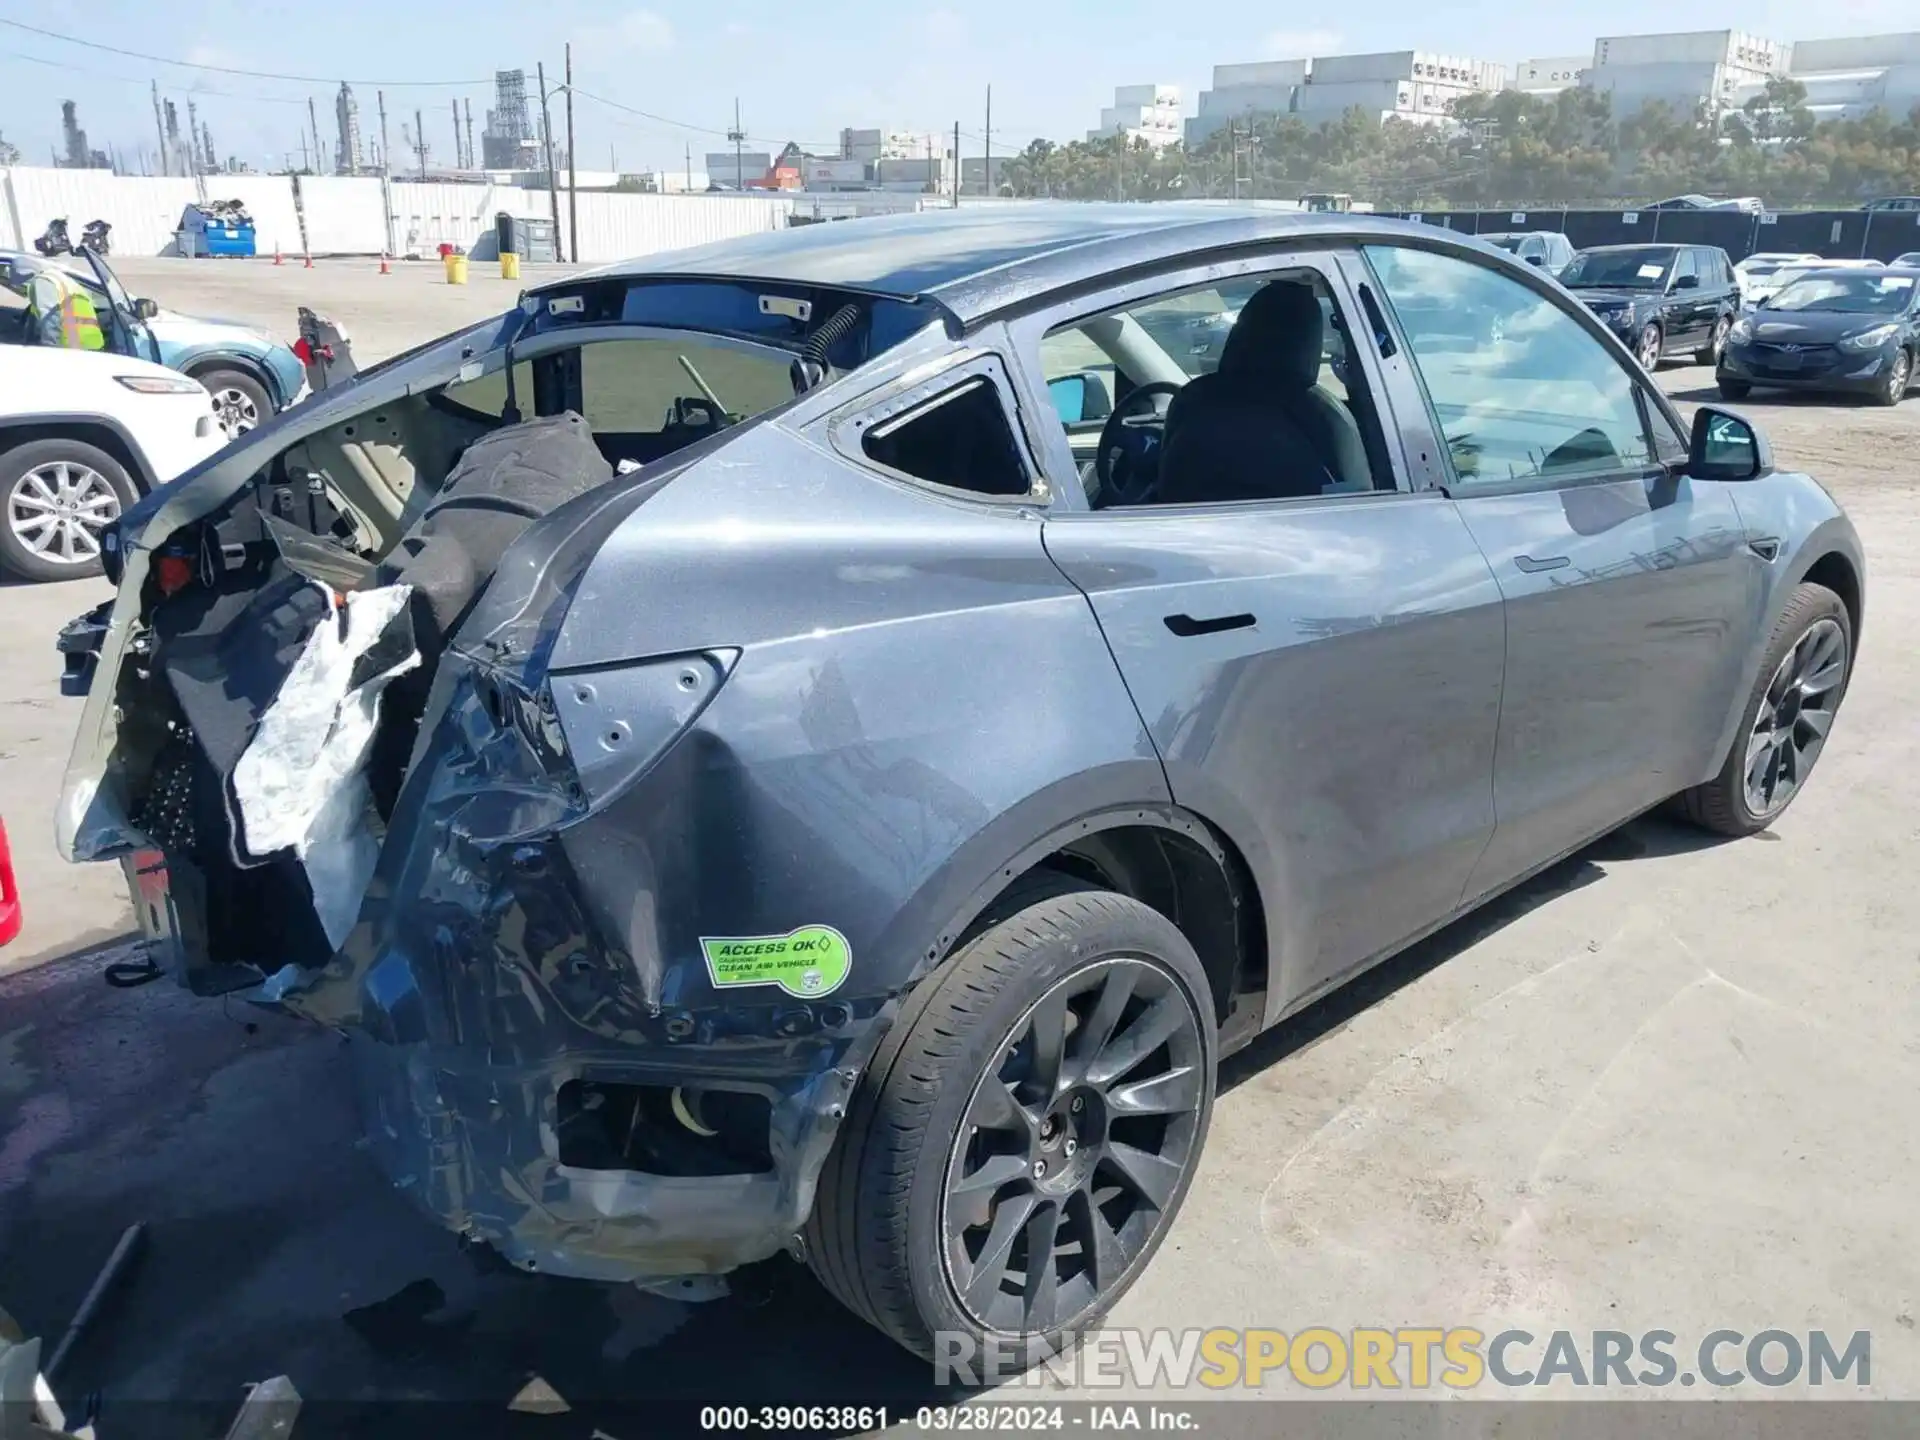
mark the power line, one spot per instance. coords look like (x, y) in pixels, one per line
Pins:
(722, 134)
(194, 89)
(229, 69)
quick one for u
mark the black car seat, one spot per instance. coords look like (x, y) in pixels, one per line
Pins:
(1260, 427)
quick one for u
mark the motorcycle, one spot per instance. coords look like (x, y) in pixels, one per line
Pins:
(94, 237)
(54, 241)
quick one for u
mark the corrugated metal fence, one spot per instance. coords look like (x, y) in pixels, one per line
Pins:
(347, 215)
(1835, 234)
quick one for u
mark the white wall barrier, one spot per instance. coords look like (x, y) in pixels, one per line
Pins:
(143, 212)
(344, 214)
(349, 215)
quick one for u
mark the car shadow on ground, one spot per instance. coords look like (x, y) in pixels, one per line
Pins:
(275, 1248)
(1763, 399)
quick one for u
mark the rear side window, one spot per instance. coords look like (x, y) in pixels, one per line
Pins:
(960, 439)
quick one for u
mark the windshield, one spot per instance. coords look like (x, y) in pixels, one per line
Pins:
(1641, 268)
(1847, 293)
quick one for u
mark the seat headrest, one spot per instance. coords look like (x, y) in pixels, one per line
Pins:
(1278, 338)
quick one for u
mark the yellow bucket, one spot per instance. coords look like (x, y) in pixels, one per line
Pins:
(456, 269)
(509, 266)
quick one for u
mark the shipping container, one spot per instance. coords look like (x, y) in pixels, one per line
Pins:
(1857, 52)
(1344, 69)
(1265, 72)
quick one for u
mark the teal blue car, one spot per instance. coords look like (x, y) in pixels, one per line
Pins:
(251, 375)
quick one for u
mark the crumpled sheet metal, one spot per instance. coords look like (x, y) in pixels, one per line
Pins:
(300, 781)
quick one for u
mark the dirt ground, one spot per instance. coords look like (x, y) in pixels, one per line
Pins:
(1667, 1085)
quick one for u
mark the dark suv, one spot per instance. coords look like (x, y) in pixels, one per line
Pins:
(1660, 299)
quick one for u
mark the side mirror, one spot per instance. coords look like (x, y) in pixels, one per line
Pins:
(145, 309)
(1686, 282)
(1079, 398)
(1727, 446)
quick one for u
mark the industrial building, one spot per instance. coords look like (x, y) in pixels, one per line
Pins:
(1145, 113)
(1415, 85)
(1547, 78)
(508, 142)
(1711, 68)
(1848, 78)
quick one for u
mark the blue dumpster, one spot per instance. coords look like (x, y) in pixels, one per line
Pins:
(219, 227)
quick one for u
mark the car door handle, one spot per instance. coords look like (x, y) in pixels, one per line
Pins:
(1534, 567)
(1186, 626)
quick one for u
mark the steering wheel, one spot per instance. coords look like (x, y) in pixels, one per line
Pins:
(1127, 464)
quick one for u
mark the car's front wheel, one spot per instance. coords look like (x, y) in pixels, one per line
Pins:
(240, 402)
(1715, 343)
(57, 497)
(1647, 348)
(1899, 376)
(1789, 715)
(1025, 1134)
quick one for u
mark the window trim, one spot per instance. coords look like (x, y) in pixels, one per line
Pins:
(920, 389)
(1645, 397)
(1179, 275)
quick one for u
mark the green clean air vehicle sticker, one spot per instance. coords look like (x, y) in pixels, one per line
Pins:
(809, 962)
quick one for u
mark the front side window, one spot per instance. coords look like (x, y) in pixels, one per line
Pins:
(1526, 393)
(1241, 390)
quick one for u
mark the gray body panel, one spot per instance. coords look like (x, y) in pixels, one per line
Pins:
(1344, 739)
(1625, 604)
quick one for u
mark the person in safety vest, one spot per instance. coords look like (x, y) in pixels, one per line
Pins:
(60, 311)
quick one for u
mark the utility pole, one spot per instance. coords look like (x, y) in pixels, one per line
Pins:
(986, 183)
(303, 153)
(573, 200)
(956, 164)
(386, 155)
(312, 119)
(160, 129)
(1233, 159)
(689, 168)
(420, 144)
(546, 138)
(473, 158)
(459, 149)
(193, 138)
(739, 138)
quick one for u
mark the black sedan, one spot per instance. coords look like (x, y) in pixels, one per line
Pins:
(1852, 331)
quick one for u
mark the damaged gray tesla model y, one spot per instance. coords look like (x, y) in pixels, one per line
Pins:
(822, 742)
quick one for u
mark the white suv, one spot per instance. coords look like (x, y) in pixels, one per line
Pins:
(84, 434)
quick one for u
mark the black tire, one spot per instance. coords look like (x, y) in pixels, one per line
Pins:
(876, 1237)
(1721, 804)
(17, 557)
(1648, 347)
(1899, 377)
(234, 392)
(1734, 389)
(1715, 342)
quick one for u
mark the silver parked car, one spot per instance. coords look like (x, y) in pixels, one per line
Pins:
(822, 742)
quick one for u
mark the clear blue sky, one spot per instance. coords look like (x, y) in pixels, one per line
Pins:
(801, 71)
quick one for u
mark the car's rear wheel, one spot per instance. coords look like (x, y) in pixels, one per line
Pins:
(1647, 348)
(1025, 1134)
(240, 402)
(57, 498)
(1734, 389)
(1789, 715)
(1716, 343)
(1899, 377)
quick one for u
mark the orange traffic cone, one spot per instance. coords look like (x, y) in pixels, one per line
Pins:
(385, 269)
(309, 262)
(276, 252)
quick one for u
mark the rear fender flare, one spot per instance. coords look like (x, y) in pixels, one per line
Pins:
(207, 361)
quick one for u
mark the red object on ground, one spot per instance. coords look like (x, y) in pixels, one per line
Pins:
(445, 249)
(9, 892)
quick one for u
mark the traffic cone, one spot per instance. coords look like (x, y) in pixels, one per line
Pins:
(276, 252)
(309, 262)
(385, 269)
